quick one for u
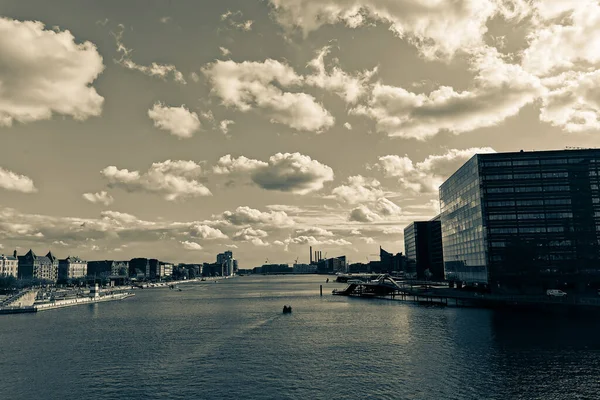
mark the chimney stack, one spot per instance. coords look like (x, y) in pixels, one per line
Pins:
(15, 253)
(311, 254)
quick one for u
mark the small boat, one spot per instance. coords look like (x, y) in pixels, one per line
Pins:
(287, 309)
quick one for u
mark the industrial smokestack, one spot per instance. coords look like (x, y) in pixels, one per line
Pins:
(319, 255)
(311, 254)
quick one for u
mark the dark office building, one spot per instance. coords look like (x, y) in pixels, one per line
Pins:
(139, 267)
(423, 249)
(524, 221)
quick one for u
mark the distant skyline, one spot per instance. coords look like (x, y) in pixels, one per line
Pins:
(181, 129)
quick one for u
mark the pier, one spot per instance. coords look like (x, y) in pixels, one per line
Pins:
(385, 287)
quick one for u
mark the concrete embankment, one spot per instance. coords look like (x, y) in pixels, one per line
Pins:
(83, 300)
(51, 305)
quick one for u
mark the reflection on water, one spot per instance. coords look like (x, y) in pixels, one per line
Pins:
(230, 340)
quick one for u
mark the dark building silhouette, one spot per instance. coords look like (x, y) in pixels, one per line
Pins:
(423, 249)
(526, 221)
(39, 267)
(332, 265)
(389, 263)
(104, 268)
(139, 267)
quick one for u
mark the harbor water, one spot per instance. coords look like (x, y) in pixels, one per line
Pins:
(230, 340)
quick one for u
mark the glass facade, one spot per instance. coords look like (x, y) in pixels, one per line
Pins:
(463, 241)
(538, 215)
(423, 249)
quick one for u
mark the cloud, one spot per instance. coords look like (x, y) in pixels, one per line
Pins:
(573, 102)
(173, 179)
(244, 215)
(381, 209)
(348, 87)
(427, 176)
(249, 234)
(15, 182)
(437, 29)
(312, 241)
(224, 125)
(179, 121)
(206, 232)
(154, 70)
(191, 245)
(565, 37)
(293, 172)
(229, 165)
(285, 172)
(358, 189)
(99, 198)
(499, 91)
(348, 126)
(224, 51)
(45, 72)
(313, 231)
(257, 85)
(165, 20)
(234, 19)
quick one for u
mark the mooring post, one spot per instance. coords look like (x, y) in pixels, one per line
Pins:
(321, 289)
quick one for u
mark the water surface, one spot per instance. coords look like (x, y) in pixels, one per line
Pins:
(230, 340)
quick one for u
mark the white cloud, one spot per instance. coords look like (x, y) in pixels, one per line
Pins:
(15, 182)
(224, 125)
(312, 241)
(179, 121)
(99, 198)
(174, 179)
(286, 172)
(46, 72)
(348, 126)
(313, 231)
(234, 19)
(229, 165)
(244, 215)
(165, 20)
(206, 232)
(500, 90)
(436, 28)
(155, 70)
(249, 234)
(567, 35)
(224, 51)
(426, 176)
(293, 172)
(573, 102)
(255, 85)
(358, 189)
(379, 210)
(348, 87)
(191, 245)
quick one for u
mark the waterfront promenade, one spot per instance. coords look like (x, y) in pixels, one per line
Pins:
(26, 302)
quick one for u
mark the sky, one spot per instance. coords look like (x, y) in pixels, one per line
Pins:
(180, 129)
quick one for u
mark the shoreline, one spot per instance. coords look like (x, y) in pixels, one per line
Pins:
(114, 293)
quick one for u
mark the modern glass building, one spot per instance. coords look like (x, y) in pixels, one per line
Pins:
(423, 249)
(526, 220)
